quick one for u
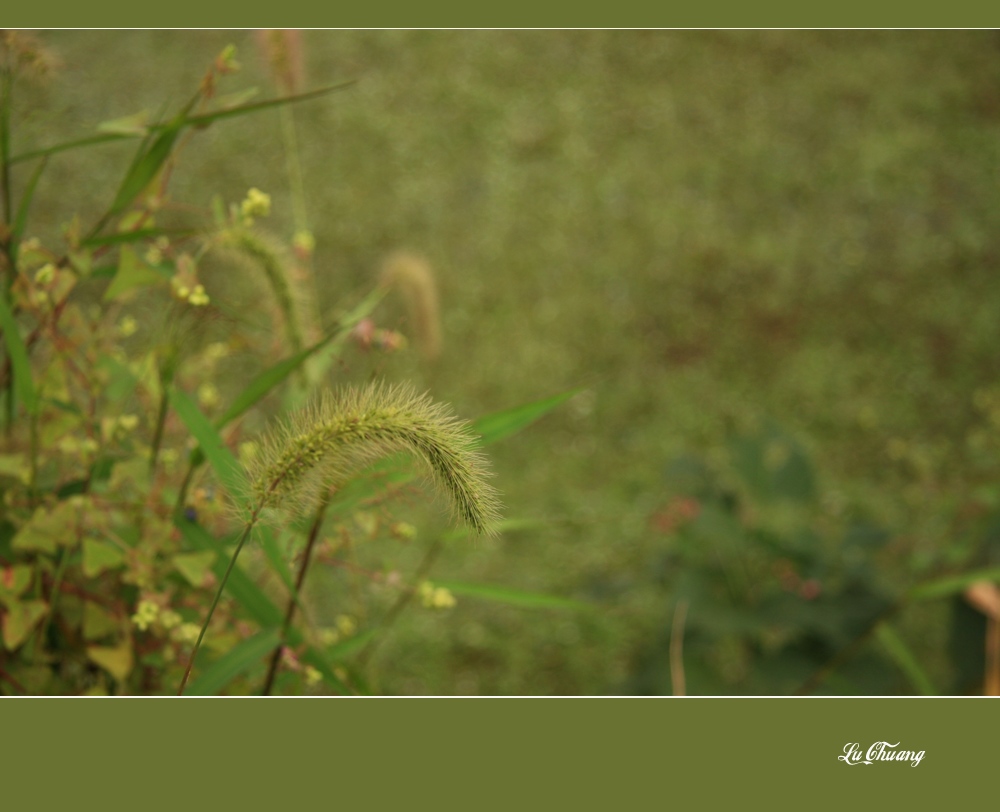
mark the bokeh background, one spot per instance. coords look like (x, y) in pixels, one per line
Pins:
(767, 260)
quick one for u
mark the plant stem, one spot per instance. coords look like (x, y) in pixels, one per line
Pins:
(211, 611)
(293, 599)
(847, 652)
(161, 418)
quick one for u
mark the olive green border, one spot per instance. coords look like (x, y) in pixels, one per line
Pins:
(617, 754)
(398, 14)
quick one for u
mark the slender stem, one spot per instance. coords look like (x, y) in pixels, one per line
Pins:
(53, 599)
(677, 649)
(6, 218)
(847, 652)
(211, 611)
(161, 419)
(293, 599)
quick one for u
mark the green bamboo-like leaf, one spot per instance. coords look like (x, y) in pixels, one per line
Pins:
(254, 602)
(265, 382)
(240, 586)
(196, 121)
(144, 170)
(514, 597)
(234, 663)
(23, 383)
(76, 143)
(205, 119)
(21, 218)
(274, 557)
(903, 657)
(227, 469)
(499, 425)
(131, 274)
(942, 587)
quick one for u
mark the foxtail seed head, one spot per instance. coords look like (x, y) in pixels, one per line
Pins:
(328, 440)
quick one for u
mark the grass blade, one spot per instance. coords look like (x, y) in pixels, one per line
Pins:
(240, 586)
(195, 121)
(226, 468)
(233, 664)
(513, 597)
(144, 170)
(254, 602)
(205, 119)
(23, 383)
(76, 143)
(903, 657)
(953, 584)
(499, 425)
(21, 219)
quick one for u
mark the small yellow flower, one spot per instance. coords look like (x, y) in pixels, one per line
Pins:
(128, 422)
(313, 677)
(198, 296)
(304, 241)
(433, 597)
(255, 204)
(208, 395)
(145, 614)
(346, 625)
(443, 599)
(169, 619)
(127, 326)
(186, 633)
(154, 256)
(45, 274)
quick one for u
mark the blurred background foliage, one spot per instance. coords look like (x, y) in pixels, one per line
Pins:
(768, 259)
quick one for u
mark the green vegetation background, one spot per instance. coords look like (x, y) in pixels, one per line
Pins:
(704, 230)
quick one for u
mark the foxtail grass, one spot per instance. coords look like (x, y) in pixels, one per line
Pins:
(413, 277)
(322, 445)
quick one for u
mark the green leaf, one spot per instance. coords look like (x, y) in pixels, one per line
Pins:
(514, 597)
(499, 425)
(903, 657)
(221, 459)
(244, 109)
(98, 622)
(18, 621)
(951, 585)
(194, 566)
(76, 143)
(99, 556)
(265, 382)
(198, 121)
(234, 663)
(116, 660)
(240, 586)
(249, 596)
(144, 170)
(21, 219)
(131, 274)
(135, 124)
(14, 581)
(274, 557)
(23, 384)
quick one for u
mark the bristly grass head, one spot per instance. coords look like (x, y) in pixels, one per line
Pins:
(323, 443)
